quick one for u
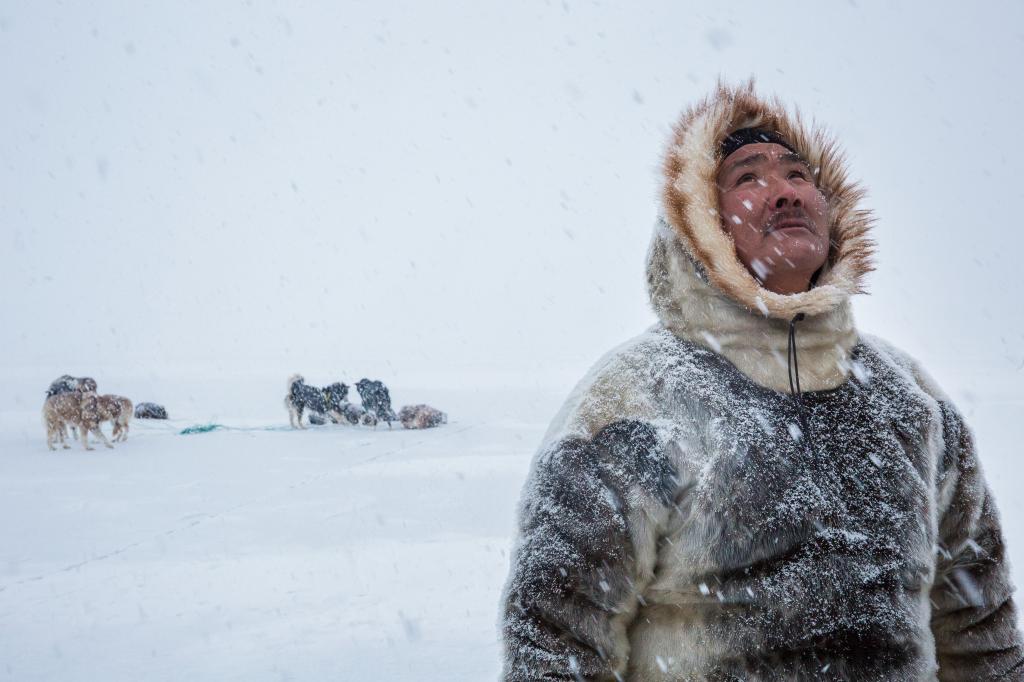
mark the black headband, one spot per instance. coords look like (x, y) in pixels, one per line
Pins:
(745, 136)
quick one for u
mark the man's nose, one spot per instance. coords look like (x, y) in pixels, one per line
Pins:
(785, 194)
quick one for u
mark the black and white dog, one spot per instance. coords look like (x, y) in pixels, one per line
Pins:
(353, 415)
(150, 411)
(320, 402)
(67, 383)
(376, 401)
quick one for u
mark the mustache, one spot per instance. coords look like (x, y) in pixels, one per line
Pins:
(788, 215)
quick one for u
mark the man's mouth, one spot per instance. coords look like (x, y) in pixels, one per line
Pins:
(789, 223)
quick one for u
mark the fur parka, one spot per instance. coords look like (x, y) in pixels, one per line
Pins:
(683, 521)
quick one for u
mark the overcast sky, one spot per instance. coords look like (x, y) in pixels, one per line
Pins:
(385, 188)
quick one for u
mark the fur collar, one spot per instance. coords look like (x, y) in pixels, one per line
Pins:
(704, 294)
(691, 308)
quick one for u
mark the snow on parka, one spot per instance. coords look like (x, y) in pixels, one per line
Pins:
(678, 524)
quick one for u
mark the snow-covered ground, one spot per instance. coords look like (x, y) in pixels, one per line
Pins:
(257, 552)
(201, 198)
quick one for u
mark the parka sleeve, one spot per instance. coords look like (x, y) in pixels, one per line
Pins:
(587, 546)
(974, 620)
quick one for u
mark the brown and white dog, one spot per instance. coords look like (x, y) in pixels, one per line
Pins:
(118, 411)
(421, 417)
(67, 383)
(74, 408)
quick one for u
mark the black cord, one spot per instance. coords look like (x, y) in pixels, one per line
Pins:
(793, 369)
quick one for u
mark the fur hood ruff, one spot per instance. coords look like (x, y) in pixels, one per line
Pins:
(703, 293)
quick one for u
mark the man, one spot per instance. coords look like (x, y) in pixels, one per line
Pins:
(752, 490)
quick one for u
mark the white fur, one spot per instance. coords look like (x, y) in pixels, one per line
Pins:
(757, 344)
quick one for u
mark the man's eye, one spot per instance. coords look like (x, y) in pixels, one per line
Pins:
(798, 174)
(746, 177)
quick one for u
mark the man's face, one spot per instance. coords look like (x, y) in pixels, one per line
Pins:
(776, 215)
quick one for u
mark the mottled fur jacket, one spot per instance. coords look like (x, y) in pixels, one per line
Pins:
(680, 524)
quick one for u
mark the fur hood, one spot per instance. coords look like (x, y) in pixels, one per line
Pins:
(703, 293)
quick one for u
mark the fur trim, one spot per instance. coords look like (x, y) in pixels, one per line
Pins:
(691, 202)
(692, 309)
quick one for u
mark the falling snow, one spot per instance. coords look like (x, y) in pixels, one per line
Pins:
(169, 158)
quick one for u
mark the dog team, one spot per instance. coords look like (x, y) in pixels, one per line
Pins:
(73, 403)
(331, 402)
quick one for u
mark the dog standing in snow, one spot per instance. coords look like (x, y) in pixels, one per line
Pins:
(78, 409)
(328, 401)
(67, 383)
(118, 411)
(376, 400)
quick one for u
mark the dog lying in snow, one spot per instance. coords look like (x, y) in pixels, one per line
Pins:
(322, 402)
(421, 417)
(354, 414)
(150, 411)
(79, 409)
(376, 401)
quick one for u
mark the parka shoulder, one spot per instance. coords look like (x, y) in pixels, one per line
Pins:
(906, 365)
